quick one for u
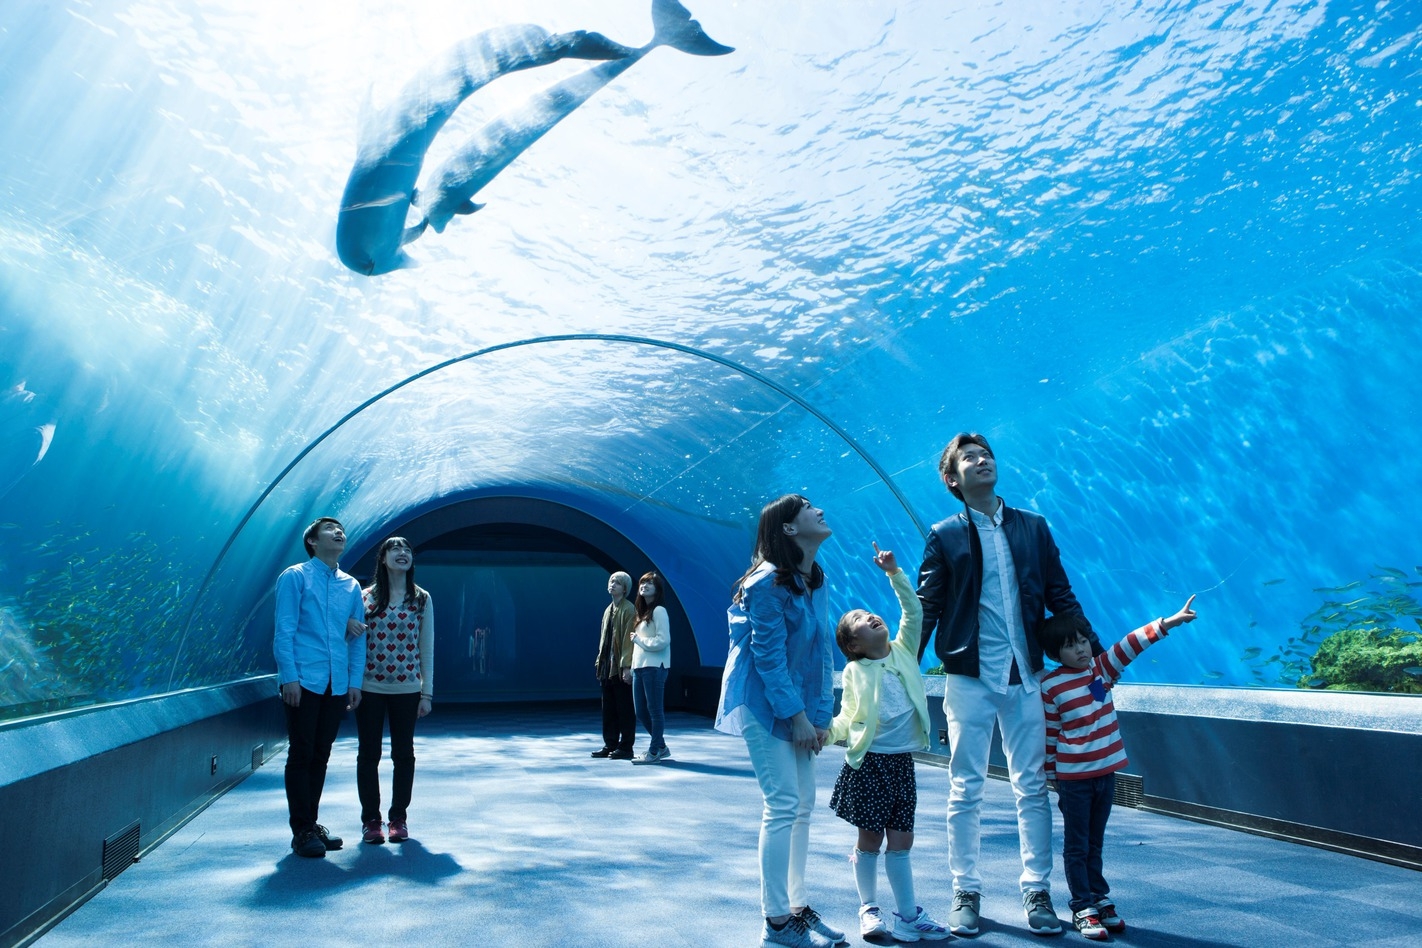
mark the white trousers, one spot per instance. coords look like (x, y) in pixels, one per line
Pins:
(787, 782)
(971, 708)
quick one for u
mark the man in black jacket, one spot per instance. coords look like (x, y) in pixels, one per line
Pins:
(989, 576)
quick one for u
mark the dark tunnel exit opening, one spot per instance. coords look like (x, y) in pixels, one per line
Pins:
(519, 588)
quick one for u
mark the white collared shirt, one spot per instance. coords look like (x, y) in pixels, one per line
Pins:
(1001, 636)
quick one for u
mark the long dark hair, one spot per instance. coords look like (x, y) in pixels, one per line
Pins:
(414, 595)
(644, 606)
(774, 546)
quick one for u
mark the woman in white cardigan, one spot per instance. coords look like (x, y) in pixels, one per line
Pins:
(651, 658)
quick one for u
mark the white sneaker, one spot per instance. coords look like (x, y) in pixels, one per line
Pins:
(920, 926)
(871, 921)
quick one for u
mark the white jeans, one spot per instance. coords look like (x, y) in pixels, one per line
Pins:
(971, 708)
(787, 782)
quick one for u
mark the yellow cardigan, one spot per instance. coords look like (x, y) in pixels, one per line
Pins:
(858, 717)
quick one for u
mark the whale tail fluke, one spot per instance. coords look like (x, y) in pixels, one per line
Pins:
(675, 28)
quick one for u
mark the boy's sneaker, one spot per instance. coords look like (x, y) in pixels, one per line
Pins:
(1088, 924)
(920, 926)
(308, 844)
(795, 934)
(817, 925)
(871, 921)
(372, 831)
(1106, 911)
(963, 919)
(1041, 916)
(332, 843)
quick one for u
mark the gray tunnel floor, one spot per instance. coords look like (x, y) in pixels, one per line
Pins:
(519, 838)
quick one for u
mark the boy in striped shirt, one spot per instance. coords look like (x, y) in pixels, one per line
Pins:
(1084, 751)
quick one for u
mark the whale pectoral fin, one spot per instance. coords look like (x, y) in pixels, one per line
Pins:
(468, 207)
(414, 232)
(674, 27)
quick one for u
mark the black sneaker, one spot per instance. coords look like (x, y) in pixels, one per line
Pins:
(332, 843)
(1041, 916)
(308, 844)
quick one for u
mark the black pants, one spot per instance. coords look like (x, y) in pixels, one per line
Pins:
(371, 714)
(619, 716)
(1085, 806)
(310, 730)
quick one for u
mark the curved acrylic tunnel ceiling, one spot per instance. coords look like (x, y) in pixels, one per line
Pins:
(653, 438)
(1159, 254)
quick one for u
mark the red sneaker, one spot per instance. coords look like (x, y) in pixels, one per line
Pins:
(399, 832)
(1106, 911)
(372, 831)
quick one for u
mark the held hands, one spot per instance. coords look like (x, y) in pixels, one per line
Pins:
(805, 735)
(1186, 614)
(627, 676)
(884, 559)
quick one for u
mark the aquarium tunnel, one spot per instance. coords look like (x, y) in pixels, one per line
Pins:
(551, 317)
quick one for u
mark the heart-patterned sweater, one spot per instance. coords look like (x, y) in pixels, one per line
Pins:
(399, 646)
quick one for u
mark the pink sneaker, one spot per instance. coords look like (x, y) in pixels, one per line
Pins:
(372, 831)
(399, 832)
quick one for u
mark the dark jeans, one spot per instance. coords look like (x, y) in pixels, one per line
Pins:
(310, 730)
(648, 688)
(619, 721)
(1085, 806)
(371, 714)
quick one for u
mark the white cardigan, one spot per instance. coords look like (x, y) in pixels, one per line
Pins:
(651, 641)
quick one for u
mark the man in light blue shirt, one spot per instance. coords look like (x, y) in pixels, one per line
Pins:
(320, 655)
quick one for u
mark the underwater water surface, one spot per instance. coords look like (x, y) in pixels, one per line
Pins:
(1165, 257)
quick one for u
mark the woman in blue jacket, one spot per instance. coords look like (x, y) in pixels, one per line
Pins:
(778, 694)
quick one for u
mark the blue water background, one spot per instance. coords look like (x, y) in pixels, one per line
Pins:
(1165, 257)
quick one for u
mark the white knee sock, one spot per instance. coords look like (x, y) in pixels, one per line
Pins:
(900, 873)
(866, 875)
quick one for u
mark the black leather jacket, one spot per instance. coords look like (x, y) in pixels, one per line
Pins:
(950, 585)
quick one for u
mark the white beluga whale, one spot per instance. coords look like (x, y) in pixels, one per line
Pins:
(371, 228)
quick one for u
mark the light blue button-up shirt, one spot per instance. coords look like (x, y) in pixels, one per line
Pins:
(1001, 636)
(781, 659)
(313, 604)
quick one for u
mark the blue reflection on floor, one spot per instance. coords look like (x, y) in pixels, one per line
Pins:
(519, 838)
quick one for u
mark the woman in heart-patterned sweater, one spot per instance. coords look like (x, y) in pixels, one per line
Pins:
(398, 687)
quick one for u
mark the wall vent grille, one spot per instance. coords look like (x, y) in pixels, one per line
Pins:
(1129, 790)
(120, 850)
(258, 755)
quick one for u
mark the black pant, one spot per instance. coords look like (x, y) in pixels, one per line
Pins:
(402, 711)
(619, 716)
(1085, 806)
(310, 730)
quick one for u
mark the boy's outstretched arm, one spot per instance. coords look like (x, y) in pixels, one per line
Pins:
(1114, 660)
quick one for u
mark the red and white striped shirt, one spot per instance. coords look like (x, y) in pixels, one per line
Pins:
(1082, 738)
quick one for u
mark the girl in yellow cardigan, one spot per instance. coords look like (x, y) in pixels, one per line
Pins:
(883, 718)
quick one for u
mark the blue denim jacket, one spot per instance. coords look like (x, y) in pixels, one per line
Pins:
(781, 659)
(313, 604)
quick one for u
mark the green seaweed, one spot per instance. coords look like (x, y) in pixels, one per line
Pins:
(1367, 643)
